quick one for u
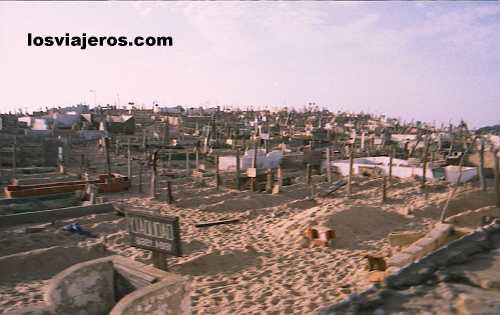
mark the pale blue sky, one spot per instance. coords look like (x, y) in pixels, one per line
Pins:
(421, 60)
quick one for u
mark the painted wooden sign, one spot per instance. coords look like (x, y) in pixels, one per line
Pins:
(154, 232)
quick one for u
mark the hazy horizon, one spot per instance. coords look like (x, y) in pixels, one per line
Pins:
(419, 60)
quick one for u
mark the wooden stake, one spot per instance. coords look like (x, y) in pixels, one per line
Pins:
(170, 198)
(482, 178)
(188, 167)
(106, 151)
(197, 157)
(217, 175)
(497, 177)
(424, 170)
(140, 177)
(153, 175)
(253, 180)
(351, 170)
(393, 152)
(328, 165)
(238, 178)
(384, 189)
(308, 174)
(14, 160)
(269, 181)
(129, 161)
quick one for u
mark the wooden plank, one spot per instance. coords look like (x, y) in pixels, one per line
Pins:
(211, 223)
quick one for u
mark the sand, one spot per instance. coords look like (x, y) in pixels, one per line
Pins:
(260, 265)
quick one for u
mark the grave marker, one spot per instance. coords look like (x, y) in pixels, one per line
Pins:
(159, 234)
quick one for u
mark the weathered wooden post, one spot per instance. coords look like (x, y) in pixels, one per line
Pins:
(497, 177)
(217, 174)
(170, 198)
(197, 157)
(308, 174)
(269, 181)
(351, 170)
(169, 159)
(238, 170)
(166, 135)
(188, 166)
(60, 159)
(82, 164)
(384, 189)
(312, 191)
(424, 158)
(140, 176)
(152, 187)
(117, 147)
(253, 180)
(129, 161)
(14, 161)
(391, 157)
(144, 140)
(106, 151)
(482, 178)
(328, 165)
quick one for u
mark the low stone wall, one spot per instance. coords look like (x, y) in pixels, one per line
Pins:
(169, 296)
(455, 252)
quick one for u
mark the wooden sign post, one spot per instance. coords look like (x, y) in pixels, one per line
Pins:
(157, 233)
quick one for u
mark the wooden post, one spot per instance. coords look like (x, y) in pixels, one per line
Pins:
(14, 160)
(169, 159)
(60, 159)
(188, 167)
(129, 161)
(170, 198)
(393, 152)
(160, 260)
(140, 177)
(384, 189)
(238, 178)
(153, 175)
(269, 181)
(424, 170)
(497, 177)
(351, 170)
(482, 178)
(308, 174)
(312, 191)
(117, 147)
(253, 180)
(197, 157)
(82, 164)
(217, 175)
(166, 135)
(266, 145)
(328, 165)
(106, 151)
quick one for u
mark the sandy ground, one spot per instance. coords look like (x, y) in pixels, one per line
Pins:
(257, 266)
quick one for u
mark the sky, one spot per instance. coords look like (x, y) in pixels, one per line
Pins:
(428, 61)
